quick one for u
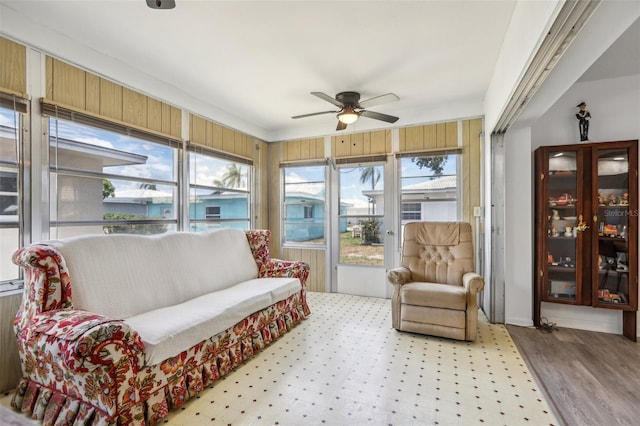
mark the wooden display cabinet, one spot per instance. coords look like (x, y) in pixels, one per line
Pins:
(586, 252)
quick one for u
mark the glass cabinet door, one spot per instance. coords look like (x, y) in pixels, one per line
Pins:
(611, 261)
(563, 212)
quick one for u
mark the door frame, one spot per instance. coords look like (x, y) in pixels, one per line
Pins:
(388, 232)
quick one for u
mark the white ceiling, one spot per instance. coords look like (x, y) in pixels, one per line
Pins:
(620, 60)
(252, 64)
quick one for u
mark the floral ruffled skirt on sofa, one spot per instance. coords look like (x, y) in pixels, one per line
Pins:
(81, 367)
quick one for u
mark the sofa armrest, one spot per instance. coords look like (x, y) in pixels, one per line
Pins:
(86, 341)
(285, 268)
(46, 281)
(258, 240)
(399, 276)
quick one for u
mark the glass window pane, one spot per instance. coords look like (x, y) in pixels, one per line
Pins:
(81, 147)
(361, 210)
(141, 229)
(9, 192)
(304, 204)
(218, 193)
(362, 242)
(429, 188)
(84, 184)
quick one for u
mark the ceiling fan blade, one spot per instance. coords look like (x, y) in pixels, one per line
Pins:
(327, 98)
(314, 113)
(379, 116)
(379, 100)
(341, 125)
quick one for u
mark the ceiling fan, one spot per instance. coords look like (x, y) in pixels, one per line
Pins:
(351, 107)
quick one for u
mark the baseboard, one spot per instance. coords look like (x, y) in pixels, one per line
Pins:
(520, 322)
(583, 318)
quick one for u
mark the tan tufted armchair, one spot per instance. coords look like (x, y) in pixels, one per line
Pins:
(435, 290)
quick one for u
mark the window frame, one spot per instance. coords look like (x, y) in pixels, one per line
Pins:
(458, 154)
(302, 221)
(55, 171)
(22, 167)
(208, 215)
(191, 224)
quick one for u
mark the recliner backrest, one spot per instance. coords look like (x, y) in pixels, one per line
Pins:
(438, 252)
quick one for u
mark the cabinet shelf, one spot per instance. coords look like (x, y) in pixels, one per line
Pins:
(558, 268)
(582, 181)
(561, 173)
(564, 206)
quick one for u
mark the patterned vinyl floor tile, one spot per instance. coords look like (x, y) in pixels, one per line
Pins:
(346, 365)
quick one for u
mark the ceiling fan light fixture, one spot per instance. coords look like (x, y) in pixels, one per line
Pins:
(161, 4)
(348, 117)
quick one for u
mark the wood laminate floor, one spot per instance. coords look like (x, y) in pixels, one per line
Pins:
(589, 378)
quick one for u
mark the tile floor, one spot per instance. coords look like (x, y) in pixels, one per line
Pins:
(345, 365)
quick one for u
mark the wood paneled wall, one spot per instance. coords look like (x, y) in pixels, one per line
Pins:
(275, 154)
(296, 150)
(316, 258)
(10, 371)
(361, 144)
(76, 89)
(429, 137)
(303, 149)
(261, 190)
(219, 138)
(471, 170)
(13, 68)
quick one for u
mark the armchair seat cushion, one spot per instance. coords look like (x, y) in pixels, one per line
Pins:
(167, 331)
(434, 295)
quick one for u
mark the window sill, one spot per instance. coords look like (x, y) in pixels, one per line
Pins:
(9, 288)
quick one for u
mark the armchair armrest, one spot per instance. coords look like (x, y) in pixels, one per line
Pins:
(399, 276)
(473, 283)
(85, 341)
(285, 268)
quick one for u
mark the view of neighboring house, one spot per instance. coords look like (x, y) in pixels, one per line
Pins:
(432, 200)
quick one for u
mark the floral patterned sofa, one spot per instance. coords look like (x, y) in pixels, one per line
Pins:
(119, 329)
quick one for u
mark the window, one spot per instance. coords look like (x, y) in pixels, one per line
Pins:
(219, 193)
(107, 182)
(429, 188)
(411, 212)
(11, 181)
(304, 204)
(308, 212)
(212, 212)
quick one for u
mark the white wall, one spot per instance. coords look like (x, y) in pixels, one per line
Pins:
(529, 23)
(615, 107)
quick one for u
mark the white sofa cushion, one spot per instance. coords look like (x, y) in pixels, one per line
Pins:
(168, 331)
(125, 275)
